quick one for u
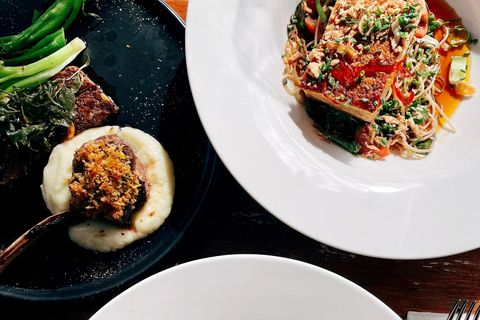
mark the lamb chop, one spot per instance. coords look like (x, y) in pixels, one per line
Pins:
(108, 181)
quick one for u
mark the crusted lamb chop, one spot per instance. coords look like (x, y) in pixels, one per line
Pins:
(92, 109)
(108, 180)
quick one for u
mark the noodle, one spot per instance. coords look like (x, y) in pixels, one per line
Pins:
(408, 116)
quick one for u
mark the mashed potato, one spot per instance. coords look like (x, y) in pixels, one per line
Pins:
(105, 236)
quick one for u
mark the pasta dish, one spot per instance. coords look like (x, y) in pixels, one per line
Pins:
(368, 72)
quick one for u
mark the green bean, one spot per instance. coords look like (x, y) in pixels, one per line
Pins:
(43, 48)
(46, 24)
(35, 16)
(47, 28)
(76, 8)
(51, 13)
(44, 41)
(7, 38)
(37, 24)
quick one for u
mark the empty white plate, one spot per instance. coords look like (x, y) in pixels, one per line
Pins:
(245, 287)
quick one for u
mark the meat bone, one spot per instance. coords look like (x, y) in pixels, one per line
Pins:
(53, 221)
(34, 233)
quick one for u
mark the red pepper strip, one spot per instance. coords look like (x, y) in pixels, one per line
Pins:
(412, 96)
(401, 98)
(403, 71)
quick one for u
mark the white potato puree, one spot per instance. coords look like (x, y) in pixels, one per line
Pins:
(104, 236)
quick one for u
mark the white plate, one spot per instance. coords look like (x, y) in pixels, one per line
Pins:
(397, 208)
(245, 287)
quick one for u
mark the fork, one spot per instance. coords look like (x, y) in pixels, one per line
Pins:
(462, 309)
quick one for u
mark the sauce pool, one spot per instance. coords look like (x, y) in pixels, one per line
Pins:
(449, 99)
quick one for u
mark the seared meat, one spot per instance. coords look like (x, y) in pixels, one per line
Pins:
(108, 180)
(92, 108)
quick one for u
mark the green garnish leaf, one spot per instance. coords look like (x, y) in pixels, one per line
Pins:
(77, 83)
(31, 117)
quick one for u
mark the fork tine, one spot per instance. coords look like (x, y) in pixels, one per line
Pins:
(461, 309)
(470, 310)
(477, 314)
(454, 309)
(464, 305)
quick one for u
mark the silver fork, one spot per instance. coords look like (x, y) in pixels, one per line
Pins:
(462, 309)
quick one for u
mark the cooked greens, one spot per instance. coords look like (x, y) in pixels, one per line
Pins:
(339, 127)
(299, 18)
(31, 118)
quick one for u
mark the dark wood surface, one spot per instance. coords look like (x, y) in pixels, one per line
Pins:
(234, 223)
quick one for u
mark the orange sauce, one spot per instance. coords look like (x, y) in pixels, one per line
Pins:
(449, 99)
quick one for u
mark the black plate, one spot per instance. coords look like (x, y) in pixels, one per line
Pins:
(137, 55)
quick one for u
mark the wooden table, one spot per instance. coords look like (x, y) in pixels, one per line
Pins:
(234, 223)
